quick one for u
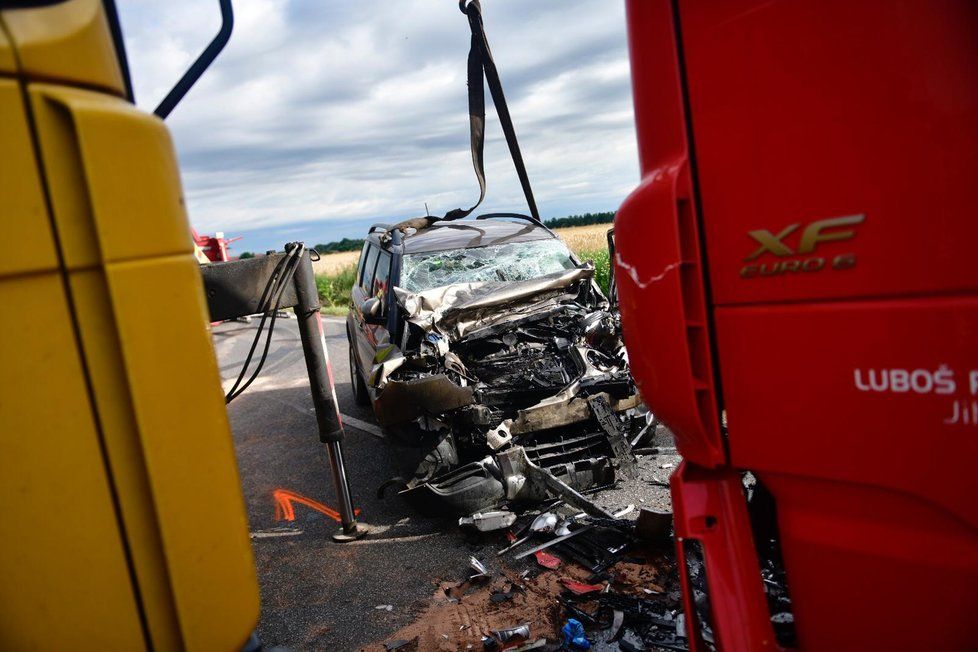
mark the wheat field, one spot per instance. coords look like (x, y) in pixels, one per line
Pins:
(585, 238)
(330, 264)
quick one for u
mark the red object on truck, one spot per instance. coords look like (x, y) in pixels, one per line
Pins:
(799, 291)
(214, 247)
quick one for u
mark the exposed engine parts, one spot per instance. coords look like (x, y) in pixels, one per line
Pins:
(520, 392)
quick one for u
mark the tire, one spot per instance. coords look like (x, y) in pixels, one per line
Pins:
(360, 396)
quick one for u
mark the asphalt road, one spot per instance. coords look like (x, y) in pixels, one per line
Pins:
(316, 594)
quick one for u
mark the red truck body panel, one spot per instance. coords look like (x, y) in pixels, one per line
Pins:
(809, 210)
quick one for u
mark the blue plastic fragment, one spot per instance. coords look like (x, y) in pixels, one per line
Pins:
(574, 638)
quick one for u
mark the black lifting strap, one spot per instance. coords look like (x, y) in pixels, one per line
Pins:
(481, 66)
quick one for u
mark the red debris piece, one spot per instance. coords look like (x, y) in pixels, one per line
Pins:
(547, 560)
(580, 588)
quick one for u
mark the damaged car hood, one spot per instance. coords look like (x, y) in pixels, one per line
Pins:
(454, 310)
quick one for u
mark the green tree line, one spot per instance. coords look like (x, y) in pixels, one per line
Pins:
(584, 219)
(346, 244)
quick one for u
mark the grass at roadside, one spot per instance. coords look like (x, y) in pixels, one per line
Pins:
(601, 265)
(336, 273)
(334, 289)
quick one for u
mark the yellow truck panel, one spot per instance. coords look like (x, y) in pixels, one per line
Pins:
(7, 64)
(191, 466)
(64, 577)
(123, 522)
(69, 42)
(85, 137)
(23, 216)
(100, 340)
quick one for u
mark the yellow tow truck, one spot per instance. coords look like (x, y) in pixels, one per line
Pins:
(123, 525)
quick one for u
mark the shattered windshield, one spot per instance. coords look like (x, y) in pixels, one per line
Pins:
(512, 261)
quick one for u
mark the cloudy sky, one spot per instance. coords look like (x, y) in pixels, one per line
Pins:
(323, 116)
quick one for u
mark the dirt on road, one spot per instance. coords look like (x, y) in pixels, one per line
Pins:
(459, 613)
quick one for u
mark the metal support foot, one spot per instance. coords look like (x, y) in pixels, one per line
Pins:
(350, 530)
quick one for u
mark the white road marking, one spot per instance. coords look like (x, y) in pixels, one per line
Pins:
(268, 534)
(369, 428)
(367, 541)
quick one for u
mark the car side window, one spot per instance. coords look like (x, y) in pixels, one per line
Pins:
(383, 273)
(361, 263)
(367, 277)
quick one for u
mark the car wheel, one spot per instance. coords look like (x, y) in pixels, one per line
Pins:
(360, 396)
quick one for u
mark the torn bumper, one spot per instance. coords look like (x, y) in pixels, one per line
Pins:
(407, 400)
(507, 477)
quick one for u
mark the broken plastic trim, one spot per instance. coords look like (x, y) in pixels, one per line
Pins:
(507, 476)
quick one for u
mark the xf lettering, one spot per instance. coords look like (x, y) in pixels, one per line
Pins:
(827, 230)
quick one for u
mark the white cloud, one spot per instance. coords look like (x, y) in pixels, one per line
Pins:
(325, 112)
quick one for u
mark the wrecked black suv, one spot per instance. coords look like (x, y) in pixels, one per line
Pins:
(490, 345)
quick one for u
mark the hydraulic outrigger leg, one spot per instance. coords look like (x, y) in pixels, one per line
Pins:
(324, 393)
(238, 288)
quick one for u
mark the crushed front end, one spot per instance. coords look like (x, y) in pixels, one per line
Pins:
(518, 391)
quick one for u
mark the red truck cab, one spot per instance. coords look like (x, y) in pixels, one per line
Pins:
(799, 292)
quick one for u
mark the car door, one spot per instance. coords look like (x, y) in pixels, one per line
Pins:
(359, 294)
(376, 336)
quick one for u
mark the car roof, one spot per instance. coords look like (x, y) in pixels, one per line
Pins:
(466, 234)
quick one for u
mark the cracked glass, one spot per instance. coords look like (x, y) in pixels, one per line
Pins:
(512, 261)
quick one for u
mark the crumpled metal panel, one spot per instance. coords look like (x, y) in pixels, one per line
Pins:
(455, 310)
(407, 400)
